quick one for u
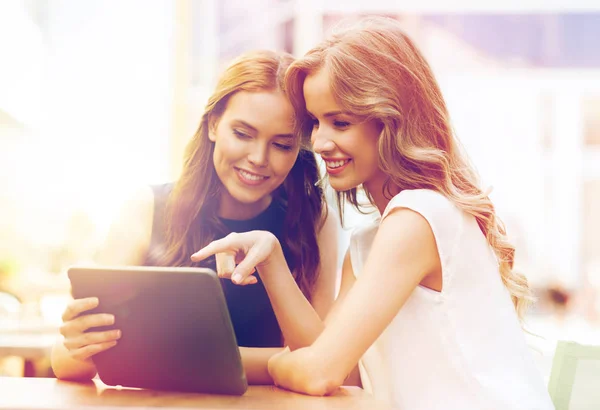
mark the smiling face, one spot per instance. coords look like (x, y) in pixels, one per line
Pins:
(347, 144)
(255, 149)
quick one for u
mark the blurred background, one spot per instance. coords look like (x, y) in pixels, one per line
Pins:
(98, 97)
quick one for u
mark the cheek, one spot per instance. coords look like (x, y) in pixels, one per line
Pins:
(282, 163)
(217, 155)
(373, 154)
(365, 150)
(227, 150)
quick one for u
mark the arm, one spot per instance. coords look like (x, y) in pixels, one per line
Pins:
(348, 280)
(295, 317)
(255, 360)
(301, 322)
(399, 260)
(323, 296)
(288, 306)
(293, 311)
(125, 244)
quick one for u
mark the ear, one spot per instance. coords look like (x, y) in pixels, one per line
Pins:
(211, 134)
(212, 128)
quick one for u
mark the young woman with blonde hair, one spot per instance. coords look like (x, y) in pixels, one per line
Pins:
(429, 302)
(245, 169)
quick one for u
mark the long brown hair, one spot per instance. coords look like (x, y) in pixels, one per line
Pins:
(192, 208)
(377, 72)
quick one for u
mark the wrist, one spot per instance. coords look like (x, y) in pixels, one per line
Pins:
(276, 262)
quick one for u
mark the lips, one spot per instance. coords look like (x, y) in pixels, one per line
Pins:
(251, 175)
(250, 178)
(336, 165)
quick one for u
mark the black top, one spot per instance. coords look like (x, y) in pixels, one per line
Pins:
(249, 306)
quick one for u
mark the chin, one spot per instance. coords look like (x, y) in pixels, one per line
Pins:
(248, 199)
(341, 185)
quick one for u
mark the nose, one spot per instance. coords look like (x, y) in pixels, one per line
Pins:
(321, 142)
(258, 155)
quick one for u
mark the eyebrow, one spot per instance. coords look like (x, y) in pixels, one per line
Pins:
(245, 124)
(329, 114)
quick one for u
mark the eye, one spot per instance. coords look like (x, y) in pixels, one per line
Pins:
(283, 147)
(240, 134)
(341, 124)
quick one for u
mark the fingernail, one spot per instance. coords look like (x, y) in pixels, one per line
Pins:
(236, 278)
(93, 301)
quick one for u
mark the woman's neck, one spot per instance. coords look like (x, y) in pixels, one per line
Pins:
(379, 197)
(231, 208)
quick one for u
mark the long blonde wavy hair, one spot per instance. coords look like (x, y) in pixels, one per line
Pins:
(377, 72)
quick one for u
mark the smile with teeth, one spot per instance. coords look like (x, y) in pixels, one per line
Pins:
(336, 164)
(251, 177)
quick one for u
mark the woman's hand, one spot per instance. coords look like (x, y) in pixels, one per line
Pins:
(301, 371)
(81, 345)
(254, 250)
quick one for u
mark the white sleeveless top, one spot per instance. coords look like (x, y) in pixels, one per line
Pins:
(462, 348)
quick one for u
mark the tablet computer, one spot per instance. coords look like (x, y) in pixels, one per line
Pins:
(176, 333)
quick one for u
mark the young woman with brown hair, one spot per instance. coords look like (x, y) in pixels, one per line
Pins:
(245, 169)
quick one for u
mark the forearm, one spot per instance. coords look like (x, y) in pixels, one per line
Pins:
(299, 322)
(64, 367)
(255, 360)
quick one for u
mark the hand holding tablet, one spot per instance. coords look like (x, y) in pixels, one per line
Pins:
(174, 325)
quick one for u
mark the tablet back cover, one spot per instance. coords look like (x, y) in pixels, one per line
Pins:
(176, 333)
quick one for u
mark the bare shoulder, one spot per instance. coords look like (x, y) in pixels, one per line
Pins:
(405, 224)
(141, 201)
(405, 238)
(129, 235)
(437, 209)
(330, 221)
(136, 211)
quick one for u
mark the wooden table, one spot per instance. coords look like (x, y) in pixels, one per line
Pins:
(51, 394)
